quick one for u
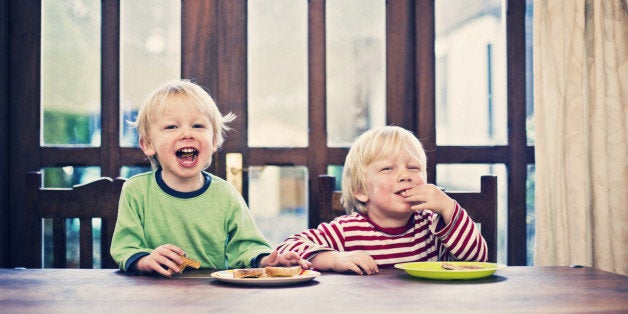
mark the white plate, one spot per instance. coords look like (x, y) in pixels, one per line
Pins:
(227, 276)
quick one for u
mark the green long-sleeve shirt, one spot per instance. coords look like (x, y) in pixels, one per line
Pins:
(212, 225)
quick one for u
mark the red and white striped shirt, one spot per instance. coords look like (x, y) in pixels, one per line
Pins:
(424, 238)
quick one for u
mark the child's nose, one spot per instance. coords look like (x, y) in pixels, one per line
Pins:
(404, 175)
(186, 132)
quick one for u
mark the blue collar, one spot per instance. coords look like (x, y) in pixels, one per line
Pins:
(170, 191)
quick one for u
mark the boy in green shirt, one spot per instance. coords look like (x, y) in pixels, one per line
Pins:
(179, 209)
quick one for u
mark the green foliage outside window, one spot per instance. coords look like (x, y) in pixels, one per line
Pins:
(67, 128)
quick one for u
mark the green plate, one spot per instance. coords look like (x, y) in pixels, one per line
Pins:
(434, 270)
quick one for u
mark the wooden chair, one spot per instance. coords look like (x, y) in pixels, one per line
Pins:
(482, 206)
(97, 199)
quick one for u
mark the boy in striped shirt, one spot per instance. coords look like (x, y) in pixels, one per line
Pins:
(394, 215)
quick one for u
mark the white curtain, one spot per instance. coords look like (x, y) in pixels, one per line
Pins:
(581, 99)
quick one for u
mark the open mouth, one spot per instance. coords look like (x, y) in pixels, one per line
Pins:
(187, 155)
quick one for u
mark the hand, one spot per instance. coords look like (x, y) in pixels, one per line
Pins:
(165, 260)
(429, 196)
(358, 262)
(285, 259)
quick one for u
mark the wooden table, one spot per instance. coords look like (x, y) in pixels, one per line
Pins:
(514, 289)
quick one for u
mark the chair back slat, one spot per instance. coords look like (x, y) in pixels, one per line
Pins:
(59, 247)
(86, 246)
(97, 199)
(481, 206)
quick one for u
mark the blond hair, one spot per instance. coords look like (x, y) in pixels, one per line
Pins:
(376, 144)
(156, 100)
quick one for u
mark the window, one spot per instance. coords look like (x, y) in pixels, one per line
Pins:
(119, 50)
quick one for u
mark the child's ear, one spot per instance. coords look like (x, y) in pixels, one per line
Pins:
(361, 196)
(147, 147)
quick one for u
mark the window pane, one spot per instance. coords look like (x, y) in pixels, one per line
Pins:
(356, 68)
(336, 171)
(530, 210)
(70, 56)
(278, 200)
(466, 177)
(65, 177)
(529, 73)
(129, 171)
(277, 73)
(470, 51)
(150, 54)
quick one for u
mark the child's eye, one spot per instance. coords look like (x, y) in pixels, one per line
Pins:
(198, 126)
(386, 168)
(170, 127)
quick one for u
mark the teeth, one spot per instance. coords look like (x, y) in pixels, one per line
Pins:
(186, 152)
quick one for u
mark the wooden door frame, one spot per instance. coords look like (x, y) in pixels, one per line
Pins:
(4, 132)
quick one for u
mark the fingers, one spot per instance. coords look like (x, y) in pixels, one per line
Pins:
(165, 260)
(305, 264)
(151, 264)
(269, 260)
(272, 258)
(368, 267)
(427, 196)
(357, 262)
(171, 252)
(285, 259)
(171, 248)
(292, 258)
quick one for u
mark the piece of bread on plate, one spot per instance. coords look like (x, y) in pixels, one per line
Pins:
(248, 272)
(282, 271)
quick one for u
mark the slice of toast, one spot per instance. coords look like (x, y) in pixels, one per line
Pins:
(282, 271)
(248, 273)
(190, 262)
(267, 272)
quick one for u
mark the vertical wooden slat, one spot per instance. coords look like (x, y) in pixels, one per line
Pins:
(425, 68)
(110, 89)
(33, 230)
(59, 247)
(199, 53)
(4, 142)
(231, 85)
(199, 43)
(317, 114)
(400, 64)
(86, 240)
(516, 90)
(107, 228)
(490, 191)
(326, 185)
(23, 122)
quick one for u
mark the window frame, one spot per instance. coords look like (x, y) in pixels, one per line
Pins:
(210, 36)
